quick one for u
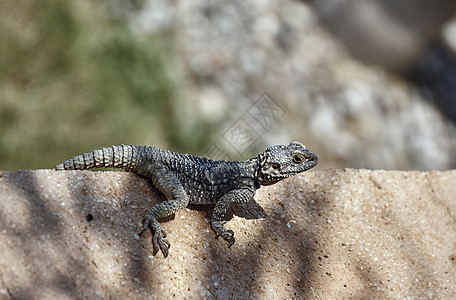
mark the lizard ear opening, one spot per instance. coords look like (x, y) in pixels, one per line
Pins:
(262, 159)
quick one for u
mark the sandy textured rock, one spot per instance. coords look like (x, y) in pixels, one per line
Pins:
(332, 234)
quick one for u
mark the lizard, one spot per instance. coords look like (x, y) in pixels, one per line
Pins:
(187, 179)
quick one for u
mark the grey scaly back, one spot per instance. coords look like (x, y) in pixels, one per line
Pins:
(185, 179)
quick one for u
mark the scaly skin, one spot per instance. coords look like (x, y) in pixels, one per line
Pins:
(185, 179)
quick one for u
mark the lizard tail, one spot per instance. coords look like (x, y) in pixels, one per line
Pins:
(126, 157)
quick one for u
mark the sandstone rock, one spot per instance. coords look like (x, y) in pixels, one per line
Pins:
(332, 234)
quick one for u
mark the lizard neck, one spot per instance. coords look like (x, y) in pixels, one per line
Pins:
(250, 169)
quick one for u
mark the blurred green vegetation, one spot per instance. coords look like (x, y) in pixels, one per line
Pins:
(74, 79)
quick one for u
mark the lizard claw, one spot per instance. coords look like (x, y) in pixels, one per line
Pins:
(226, 234)
(160, 242)
(159, 237)
(146, 225)
(229, 238)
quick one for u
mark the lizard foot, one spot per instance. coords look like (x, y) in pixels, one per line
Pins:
(160, 242)
(159, 237)
(227, 235)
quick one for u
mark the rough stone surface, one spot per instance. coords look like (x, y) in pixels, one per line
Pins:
(332, 234)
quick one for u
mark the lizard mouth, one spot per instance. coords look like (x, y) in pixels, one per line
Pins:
(309, 163)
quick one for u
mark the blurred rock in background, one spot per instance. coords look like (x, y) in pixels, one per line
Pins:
(349, 110)
(392, 34)
(416, 38)
(238, 76)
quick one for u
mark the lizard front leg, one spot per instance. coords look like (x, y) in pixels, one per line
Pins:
(168, 183)
(221, 207)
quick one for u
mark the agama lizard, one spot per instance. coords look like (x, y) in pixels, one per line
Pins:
(185, 179)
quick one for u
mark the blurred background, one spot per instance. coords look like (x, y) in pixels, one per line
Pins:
(364, 84)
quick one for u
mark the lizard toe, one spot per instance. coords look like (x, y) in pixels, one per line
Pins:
(229, 239)
(160, 243)
(228, 236)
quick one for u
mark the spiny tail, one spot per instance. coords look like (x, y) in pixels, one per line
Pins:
(127, 157)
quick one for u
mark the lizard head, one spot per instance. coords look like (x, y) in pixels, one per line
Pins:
(281, 161)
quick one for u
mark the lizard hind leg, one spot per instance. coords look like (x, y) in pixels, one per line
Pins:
(171, 187)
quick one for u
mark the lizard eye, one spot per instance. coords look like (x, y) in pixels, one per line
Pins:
(275, 166)
(297, 158)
